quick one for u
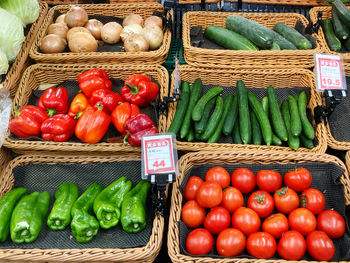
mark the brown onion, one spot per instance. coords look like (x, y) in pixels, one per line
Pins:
(95, 27)
(53, 44)
(154, 35)
(130, 29)
(60, 19)
(133, 19)
(82, 42)
(135, 43)
(59, 29)
(76, 16)
(110, 32)
(74, 30)
(154, 20)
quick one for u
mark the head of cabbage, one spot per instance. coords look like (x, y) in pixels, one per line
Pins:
(4, 64)
(26, 10)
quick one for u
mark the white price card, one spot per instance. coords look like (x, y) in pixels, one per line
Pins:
(329, 72)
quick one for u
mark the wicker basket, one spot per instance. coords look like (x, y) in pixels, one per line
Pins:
(132, 1)
(42, 73)
(62, 2)
(228, 157)
(286, 2)
(282, 78)
(22, 61)
(224, 58)
(199, 1)
(140, 254)
(121, 10)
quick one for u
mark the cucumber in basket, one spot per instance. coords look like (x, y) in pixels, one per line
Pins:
(293, 36)
(340, 30)
(282, 42)
(332, 41)
(342, 11)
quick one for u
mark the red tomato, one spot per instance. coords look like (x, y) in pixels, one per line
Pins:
(320, 246)
(268, 180)
(193, 214)
(261, 245)
(292, 246)
(246, 220)
(261, 202)
(243, 179)
(286, 200)
(219, 175)
(276, 225)
(232, 199)
(302, 220)
(209, 194)
(313, 200)
(298, 179)
(199, 242)
(230, 242)
(193, 183)
(217, 220)
(332, 223)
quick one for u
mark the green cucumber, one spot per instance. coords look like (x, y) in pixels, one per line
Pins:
(295, 122)
(275, 46)
(190, 134)
(293, 36)
(236, 136)
(293, 141)
(228, 38)
(342, 11)
(180, 109)
(282, 42)
(340, 30)
(276, 116)
(296, 97)
(307, 143)
(227, 104)
(332, 41)
(214, 119)
(243, 111)
(199, 126)
(255, 32)
(200, 105)
(231, 117)
(308, 129)
(256, 131)
(194, 97)
(262, 117)
(265, 104)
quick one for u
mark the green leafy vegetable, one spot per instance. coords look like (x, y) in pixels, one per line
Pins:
(4, 64)
(26, 10)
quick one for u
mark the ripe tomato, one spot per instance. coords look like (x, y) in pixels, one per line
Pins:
(199, 242)
(230, 242)
(217, 220)
(209, 194)
(232, 199)
(246, 220)
(320, 246)
(332, 223)
(268, 180)
(292, 246)
(261, 245)
(302, 220)
(298, 179)
(286, 200)
(219, 175)
(193, 183)
(243, 179)
(313, 200)
(193, 214)
(261, 202)
(276, 225)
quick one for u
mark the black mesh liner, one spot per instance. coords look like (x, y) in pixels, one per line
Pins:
(325, 177)
(44, 177)
(72, 87)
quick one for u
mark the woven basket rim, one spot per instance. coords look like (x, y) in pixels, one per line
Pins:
(286, 2)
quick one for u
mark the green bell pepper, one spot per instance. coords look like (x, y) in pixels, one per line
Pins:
(133, 215)
(60, 216)
(84, 225)
(7, 204)
(28, 217)
(107, 204)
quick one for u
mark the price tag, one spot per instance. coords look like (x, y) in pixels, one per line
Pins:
(329, 72)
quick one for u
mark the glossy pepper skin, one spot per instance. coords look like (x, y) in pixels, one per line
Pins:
(58, 128)
(92, 125)
(78, 105)
(54, 101)
(107, 204)
(7, 204)
(92, 80)
(107, 98)
(137, 127)
(84, 225)
(27, 122)
(60, 215)
(140, 90)
(28, 216)
(133, 216)
(122, 113)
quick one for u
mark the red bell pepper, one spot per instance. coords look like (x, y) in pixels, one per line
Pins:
(28, 121)
(122, 113)
(95, 72)
(92, 125)
(140, 90)
(107, 98)
(78, 105)
(54, 100)
(137, 127)
(92, 80)
(58, 128)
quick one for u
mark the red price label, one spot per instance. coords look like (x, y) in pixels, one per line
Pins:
(329, 72)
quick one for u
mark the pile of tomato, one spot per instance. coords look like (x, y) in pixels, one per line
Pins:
(275, 218)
